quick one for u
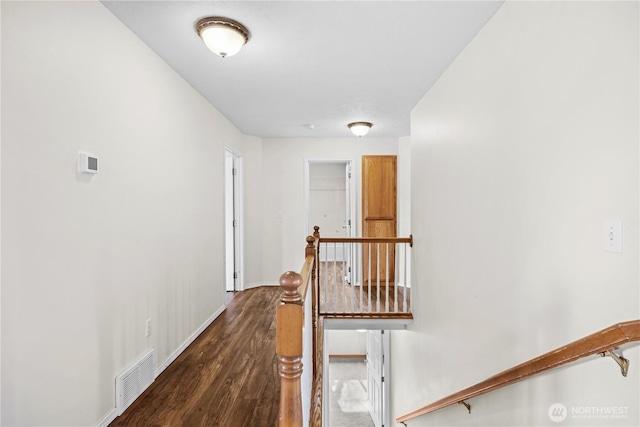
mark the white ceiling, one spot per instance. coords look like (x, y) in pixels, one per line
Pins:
(319, 64)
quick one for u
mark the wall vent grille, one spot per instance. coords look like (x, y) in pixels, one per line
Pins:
(134, 381)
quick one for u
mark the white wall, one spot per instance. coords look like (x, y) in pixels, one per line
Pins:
(519, 153)
(341, 342)
(404, 187)
(283, 190)
(253, 209)
(85, 261)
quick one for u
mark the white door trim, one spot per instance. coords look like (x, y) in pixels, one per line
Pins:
(238, 198)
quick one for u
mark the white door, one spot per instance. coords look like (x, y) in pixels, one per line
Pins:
(375, 376)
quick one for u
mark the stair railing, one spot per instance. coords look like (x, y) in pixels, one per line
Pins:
(601, 343)
(295, 343)
(299, 318)
(364, 276)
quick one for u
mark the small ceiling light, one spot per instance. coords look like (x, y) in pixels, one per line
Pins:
(359, 128)
(223, 36)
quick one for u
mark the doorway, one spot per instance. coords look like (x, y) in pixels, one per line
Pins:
(329, 197)
(233, 221)
(330, 202)
(375, 379)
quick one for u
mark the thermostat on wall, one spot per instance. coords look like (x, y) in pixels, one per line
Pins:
(87, 163)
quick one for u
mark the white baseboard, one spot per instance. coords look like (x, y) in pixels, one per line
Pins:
(189, 340)
(108, 418)
(259, 284)
(252, 285)
(113, 414)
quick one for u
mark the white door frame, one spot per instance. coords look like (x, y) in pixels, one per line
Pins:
(238, 208)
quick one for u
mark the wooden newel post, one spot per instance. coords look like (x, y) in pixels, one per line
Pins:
(316, 262)
(289, 323)
(311, 246)
(310, 250)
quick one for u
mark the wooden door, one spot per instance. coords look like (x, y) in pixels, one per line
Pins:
(379, 202)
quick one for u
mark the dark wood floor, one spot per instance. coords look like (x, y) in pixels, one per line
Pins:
(227, 377)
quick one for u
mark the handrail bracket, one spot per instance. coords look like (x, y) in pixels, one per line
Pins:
(466, 405)
(624, 363)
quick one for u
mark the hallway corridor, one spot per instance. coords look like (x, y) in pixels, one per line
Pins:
(226, 377)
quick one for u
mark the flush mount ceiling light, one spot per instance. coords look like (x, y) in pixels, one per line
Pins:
(223, 36)
(359, 128)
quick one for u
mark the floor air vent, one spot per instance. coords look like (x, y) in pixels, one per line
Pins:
(134, 380)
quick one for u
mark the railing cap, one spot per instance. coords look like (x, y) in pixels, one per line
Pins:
(311, 241)
(290, 281)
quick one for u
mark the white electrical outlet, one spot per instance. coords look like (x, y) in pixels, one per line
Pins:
(613, 236)
(148, 327)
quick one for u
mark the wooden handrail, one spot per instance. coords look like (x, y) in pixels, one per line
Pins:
(597, 343)
(408, 240)
(307, 270)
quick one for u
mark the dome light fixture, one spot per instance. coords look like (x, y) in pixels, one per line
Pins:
(223, 36)
(359, 129)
